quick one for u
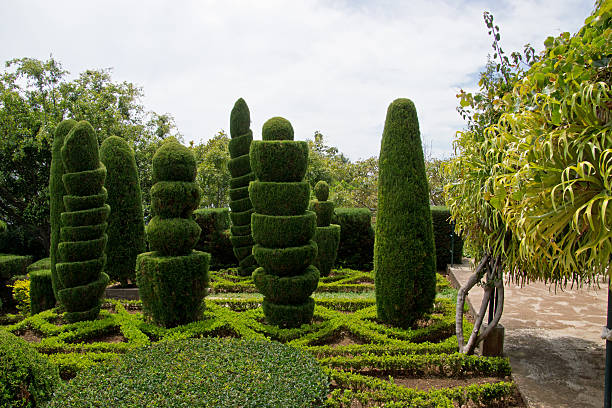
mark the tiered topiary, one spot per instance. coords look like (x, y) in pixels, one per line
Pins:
(404, 254)
(126, 235)
(172, 279)
(82, 236)
(282, 228)
(327, 236)
(56, 193)
(240, 203)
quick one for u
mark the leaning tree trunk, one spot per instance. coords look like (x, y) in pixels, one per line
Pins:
(492, 269)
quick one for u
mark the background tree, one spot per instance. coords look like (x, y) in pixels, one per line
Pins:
(213, 176)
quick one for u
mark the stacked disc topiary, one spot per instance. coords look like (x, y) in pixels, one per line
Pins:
(282, 227)
(327, 235)
(83, 226)
(172, 279)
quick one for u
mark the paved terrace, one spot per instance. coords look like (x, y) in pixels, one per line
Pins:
(552, 340)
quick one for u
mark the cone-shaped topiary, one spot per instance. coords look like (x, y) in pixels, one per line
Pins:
(83, 239)
(240, 170)
(327, 236)
(125, 232)
(404, 253)
(56, 193)
(282, 228)
(172, 279)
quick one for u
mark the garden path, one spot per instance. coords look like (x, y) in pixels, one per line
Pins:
(552, 340)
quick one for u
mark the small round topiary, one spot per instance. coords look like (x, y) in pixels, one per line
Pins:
(174, 162)
(321, 190)
(277, 128)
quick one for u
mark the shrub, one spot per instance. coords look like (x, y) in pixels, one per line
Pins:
(356, 248)
(404, 253)
(240, 170)
(84, 176)
(44, 263)
(215, 237)
(11, 266)
(125, 231)
(27, 379)
(172, 280)
(21, 294)
(445, 237)
(201, 372)
(41, 291)
(283, 230)
(327, 236)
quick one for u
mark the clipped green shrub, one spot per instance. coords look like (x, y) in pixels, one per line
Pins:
(239, 167)
(327, 236)
(445, 238)
(27, 379)
(81, 297)
(215, 236)
(172, 279)
(44, 263)
(77, 203)
(356, 248)
(56, 194)
(11, 266)
(84, 232)
(282, 228)
(404, 253)
(41, 291)
(125, 223)
(208, 372)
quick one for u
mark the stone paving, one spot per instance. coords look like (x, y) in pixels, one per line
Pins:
(552, 339)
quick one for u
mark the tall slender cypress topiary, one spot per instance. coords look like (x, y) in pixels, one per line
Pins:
(240, 203)
(82, 235)
(327, 235)
(56, 193)
(282, 228)
(126, 237)
(172, 279)
(404, 254)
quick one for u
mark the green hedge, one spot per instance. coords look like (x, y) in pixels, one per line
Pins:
(324, 211)
(79, 251)
(283, 231)
(293, 290)
(172, 287)
(273, 198)
(277, 128)
(207, 372)
(239, 166)
(215, 237)
(91, 216)
(173, 162)
(241, 218)
(288, 316)
(44, 263)
(327, 239)
(243, 181)
(83, 233)
(27, 379)
(41, 291)
(239, 193)
(241, 241)
(356, 249)
(171, 199)
(83, 299)
(241, 205)
(289, 261)
(77, 203)
(240, 119)
(444, 234)
(79, 273)
(239, 146)
(172, 236)
(85, 183)
(10, 266)
(270, 158)
(404, 252)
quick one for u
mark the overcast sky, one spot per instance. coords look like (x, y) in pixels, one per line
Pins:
(331, 66)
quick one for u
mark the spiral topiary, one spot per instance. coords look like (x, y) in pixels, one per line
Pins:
(82, 235)
(240, 203)
(282, 228)
(172, 279)
(126, 237)
(404, 254)
(327, 236)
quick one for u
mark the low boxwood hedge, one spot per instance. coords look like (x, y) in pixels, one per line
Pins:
(205, 372)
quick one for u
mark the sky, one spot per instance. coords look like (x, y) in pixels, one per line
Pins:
(329, 66)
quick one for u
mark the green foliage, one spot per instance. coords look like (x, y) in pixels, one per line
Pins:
(78, 251)
(239, 146)
(292, 290)
(240, 120)
(272, 198)
(87, 217)
(213, 176)
(85, 183)
(327, 240)
(44, 263)
(79, 273)
(404, 253)
(239, 166)
(41, 291)
(174, 162)
(236, 373)
(11, 266)
(174, 199)
(126, 223)
(215, 238)
(27, 379)
(243, 181)
(288, 315)
(172, 236)
(269, 160)
(83, 232)
(172, 287)
(244, 204)
(324, 211)
(289, 261)
(321, 190)
(21, 294)
(281, 231)
(277, 128)
(241, 218)
(77, 203)
(356, 247)
(443, 236)
(3, 227)
(80, 151)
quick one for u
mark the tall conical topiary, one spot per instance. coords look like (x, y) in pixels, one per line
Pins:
(327, 235)
(82, 235)
(126, 235)
(282, 228)
(240, 203)
(404, 254)
(56, 193)
(172, 279)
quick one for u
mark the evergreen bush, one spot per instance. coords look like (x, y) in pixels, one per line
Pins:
(326, 236)
(283, 230)
(11, 266)
(81, 293)
(404, 253)
(41, 291)
(356, 249)
(215, 236)
(240, 170)
(126, 236)
(443, 235)
(172, 279)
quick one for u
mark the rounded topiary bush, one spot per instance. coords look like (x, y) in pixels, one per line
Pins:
(207, 372)
(81, 292)
(240, 170)
(326, 236)
(173, 162)
(404, 253)
(277, 128)
(27, 379)
(125, 223)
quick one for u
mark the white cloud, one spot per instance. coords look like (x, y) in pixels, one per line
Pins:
(327, 66)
